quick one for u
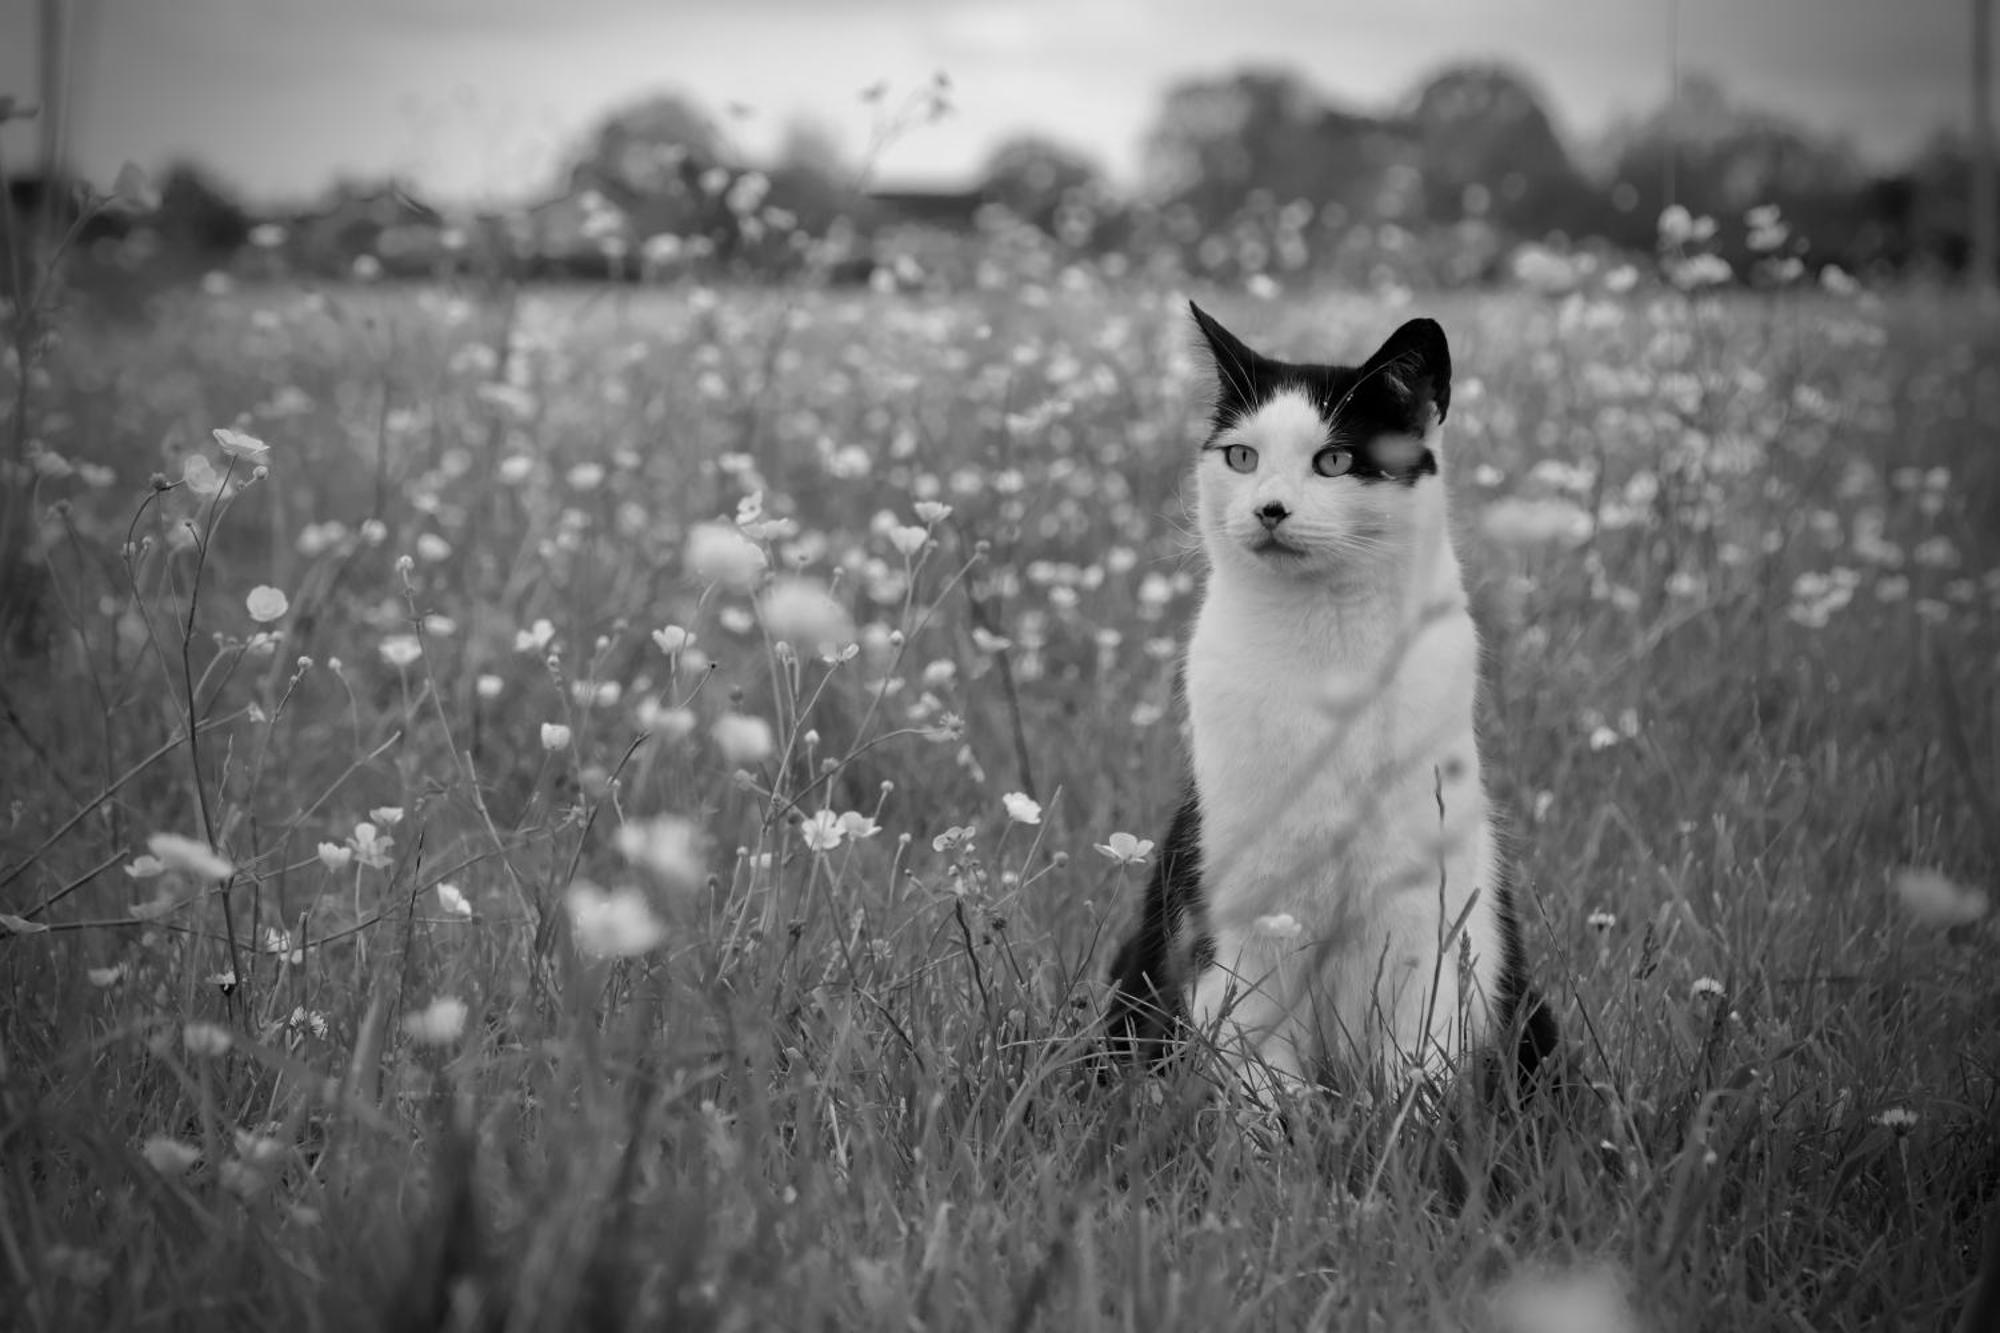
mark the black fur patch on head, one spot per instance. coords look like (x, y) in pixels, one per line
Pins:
(1381, 409)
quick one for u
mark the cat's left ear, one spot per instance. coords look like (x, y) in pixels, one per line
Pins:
(1414, 367)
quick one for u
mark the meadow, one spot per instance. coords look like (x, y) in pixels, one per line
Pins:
(598, 810)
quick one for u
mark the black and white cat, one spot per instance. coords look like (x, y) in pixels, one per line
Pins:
(1332, 891)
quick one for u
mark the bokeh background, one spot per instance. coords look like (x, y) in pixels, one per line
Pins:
(1415, 143)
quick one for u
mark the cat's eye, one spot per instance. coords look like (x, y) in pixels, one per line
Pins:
(1331, 461)
(1240, 457)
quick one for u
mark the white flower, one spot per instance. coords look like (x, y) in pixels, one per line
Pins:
(617, 924)
(909, 541)
(535, 639)
(719, 553)
(438, 1023)
(1021, 809)
(1125, 849)
(200, 475)
(169, 1156)
(555, 736)
(1935, 900)
(146, 867)
(931, 511)
(1278, 926)
(400, 650)
(489, 686)
(1600, 921)
(672, 639)
(1705, 988)
(206, 1039)
(743, 739)
(387, 815)
(189, 856)
(822, 831)
(1900, 1119)
(246, 447)
(667, 845)
(371, 846)
(801, 611)
(266, 604)
(1516, 522)
(280, 942)
(106, 976)
(858, 826)
(432, 548)
(335, 857)
(452, 902)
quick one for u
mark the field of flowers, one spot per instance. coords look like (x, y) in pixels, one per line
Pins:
(546, 811)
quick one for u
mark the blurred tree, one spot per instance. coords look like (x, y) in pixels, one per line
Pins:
(812, 179)
(660, 166)
(1721, 158)
(198, 219)
(1490, 151)
(1216, 140)
(1046, 183)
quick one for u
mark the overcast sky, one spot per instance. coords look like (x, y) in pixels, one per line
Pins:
(478, 99)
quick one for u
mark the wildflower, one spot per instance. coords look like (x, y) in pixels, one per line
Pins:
(371, 845)
(1021, 809)
(1899, 1119)
(438, 1023)
(671, 639)
(280, 942)
(452, 902)
(266, 604)
(955, 836)
(1125, 849)
(719, 553)
(489, 686)
(206, 1039)
(335, 857)
(200, 476)
(1591, 1299)
(432, 549)
(169, 1156)
(1279, 926)
(822, 831)
(133, 191)
(103, 977)
(389, 815)
(667, 845)
(1705, 988)
(615, 924)
(932, 511)
(802, 611)
(1517, 522)
(743, 739)
(555, 736)
(1935, 900)
(308, 1020)
(859, 826)
(534, 639)
(1600, 921)
(908, 540)
(224, 981)
(988, 642)
(189, 856)
(146, 867)
(1603, 737)
(246, 447)
(400, 650)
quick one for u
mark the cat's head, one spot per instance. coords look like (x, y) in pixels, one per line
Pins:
(1321, 471)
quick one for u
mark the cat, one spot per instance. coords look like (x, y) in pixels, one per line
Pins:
(1332, 892)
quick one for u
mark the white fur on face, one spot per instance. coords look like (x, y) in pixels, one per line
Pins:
(1334, 524)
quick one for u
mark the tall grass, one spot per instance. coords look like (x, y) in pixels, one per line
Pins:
(829, 1077)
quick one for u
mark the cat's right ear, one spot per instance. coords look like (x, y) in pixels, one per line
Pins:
(1235, 363)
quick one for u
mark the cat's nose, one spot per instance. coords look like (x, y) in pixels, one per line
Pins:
(1272, 512)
